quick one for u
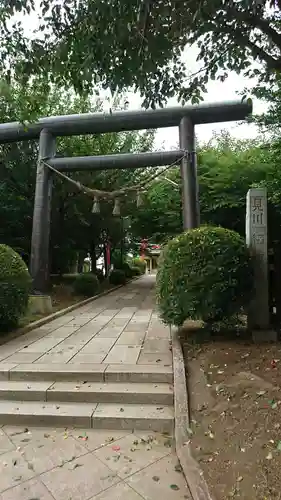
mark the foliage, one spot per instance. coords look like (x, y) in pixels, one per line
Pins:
(63, 279)
(86, 284)
(140, 263)
(74, 228)
(15, 285)
(117, 277)
(136, 271)
(227, 168)
(160, 215)
(204, 273)
(99, 274)
(128, 43)
(127, 269)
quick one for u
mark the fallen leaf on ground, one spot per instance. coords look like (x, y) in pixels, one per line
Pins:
(178, 468)
(116, 447)
(174, 487)
(168, 443)
(74, 466)
(110, 439)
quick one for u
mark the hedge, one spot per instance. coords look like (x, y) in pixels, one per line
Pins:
(205, 274)
(15, 284)
(117, 277)
(86, 285)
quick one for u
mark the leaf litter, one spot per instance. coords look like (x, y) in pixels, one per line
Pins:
(240, 430)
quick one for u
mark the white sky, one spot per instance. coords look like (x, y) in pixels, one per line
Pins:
(217, 91)
(167, 138)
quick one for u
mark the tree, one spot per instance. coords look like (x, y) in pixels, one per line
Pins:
(139, 44)
(160, 218)
(74, 228)
(227, 168)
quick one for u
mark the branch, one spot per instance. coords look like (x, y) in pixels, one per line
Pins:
(145, 24)
(244, 41)
(261, 53)
(258, 22)
(269, 31)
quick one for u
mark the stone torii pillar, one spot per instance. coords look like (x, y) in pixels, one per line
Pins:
(39, 260)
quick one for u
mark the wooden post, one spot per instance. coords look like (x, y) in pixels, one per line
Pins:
(39, 261)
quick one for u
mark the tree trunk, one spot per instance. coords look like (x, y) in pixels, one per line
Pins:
(105, 260)
(81, 257)
(93, 259)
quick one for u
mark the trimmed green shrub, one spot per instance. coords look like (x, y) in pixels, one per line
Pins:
(117, 277)
(136, 271)
(99, 274)
(205, 274)
(86, 285)
(140, 263)
(127, 269)
(15, 284)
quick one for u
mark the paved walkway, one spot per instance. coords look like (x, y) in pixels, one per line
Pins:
(88, 464)
(122, 327)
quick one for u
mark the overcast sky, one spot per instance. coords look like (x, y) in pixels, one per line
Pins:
(167, 138)
(217, 92)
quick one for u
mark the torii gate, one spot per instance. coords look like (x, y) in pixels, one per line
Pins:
(47, 129)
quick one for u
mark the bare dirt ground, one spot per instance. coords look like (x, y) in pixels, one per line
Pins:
(235, 402)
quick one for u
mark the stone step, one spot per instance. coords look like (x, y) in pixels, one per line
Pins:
(87, 372)
(87, 392)
(86, 415)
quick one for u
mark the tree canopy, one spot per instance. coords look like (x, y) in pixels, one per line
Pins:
(139, 43)
(227, 168)
(74, 227)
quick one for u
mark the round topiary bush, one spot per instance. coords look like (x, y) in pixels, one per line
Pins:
(127, 269)
(204, 274)
(117, 277)
(15, 284)
(86, 285)
(140, 263)
(99, 274)
(136, 271)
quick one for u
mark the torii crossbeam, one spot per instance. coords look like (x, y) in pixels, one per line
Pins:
(47, 129)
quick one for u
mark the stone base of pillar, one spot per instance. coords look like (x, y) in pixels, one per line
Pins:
(40, 304)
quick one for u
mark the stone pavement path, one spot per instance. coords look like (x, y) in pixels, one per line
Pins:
(122, 327)
(73, 464)
(118, 335)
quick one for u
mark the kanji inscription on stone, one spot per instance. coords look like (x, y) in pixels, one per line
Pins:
(256, 239)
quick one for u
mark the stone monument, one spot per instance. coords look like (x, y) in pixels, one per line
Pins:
(256, 239)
